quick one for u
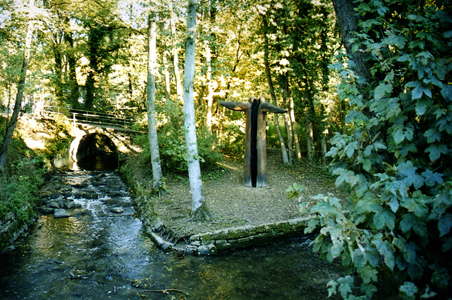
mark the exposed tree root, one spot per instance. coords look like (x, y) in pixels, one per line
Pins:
(201, 214)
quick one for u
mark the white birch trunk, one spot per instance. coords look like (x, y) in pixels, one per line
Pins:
(150, 93)
(296, 140)
(194, 170)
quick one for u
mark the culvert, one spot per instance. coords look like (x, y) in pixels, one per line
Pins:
(94, 151)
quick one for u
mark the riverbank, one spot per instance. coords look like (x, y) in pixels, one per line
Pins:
(19, 186)
(239, 216)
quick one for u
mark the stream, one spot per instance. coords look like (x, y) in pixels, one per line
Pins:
(100, 252)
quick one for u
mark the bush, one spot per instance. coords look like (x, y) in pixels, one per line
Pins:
(18, 191)
(18, 188)
(18, 196)
(172, 143)
(395, 159)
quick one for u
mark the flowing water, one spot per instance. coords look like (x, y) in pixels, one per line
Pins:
(102, 253)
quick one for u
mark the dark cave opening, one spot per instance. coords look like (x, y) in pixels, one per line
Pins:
(97, 152)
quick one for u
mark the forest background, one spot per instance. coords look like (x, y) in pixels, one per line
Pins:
(364, 82)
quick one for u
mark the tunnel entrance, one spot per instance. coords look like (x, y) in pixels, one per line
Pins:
(96, 151)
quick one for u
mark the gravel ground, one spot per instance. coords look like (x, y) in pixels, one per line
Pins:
(230, 203)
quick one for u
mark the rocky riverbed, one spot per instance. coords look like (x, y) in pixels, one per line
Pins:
(98, 250)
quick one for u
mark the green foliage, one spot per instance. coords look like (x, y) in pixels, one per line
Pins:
(59, 145)
(17, 191)
(172, 143)
(295, 190)
(395, 157)
(18, 187)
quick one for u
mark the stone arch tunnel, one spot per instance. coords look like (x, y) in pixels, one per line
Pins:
(94, 151)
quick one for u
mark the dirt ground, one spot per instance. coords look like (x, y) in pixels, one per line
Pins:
(230, 203)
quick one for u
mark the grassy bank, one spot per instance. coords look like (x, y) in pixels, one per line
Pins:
(18, 191)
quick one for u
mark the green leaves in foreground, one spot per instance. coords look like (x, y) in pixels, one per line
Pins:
(394, 160)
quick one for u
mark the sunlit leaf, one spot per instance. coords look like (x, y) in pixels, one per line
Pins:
(382, 90)
(408, 289)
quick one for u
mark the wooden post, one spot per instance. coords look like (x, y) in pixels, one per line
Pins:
(256, 151)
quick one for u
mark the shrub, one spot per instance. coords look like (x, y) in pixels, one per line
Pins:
(172, 143)
(395, 159)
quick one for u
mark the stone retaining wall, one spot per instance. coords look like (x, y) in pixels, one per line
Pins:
(229, 238)
(11, 228)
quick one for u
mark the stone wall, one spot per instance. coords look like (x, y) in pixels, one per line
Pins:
(229, 238)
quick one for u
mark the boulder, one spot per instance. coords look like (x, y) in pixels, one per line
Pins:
(46, 210)
(117, 210)
(61, 213)
(54, 204)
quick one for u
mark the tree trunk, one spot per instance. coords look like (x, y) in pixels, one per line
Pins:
(285, 157)
(11, 126)
(72, 63)
(194, 170)
(94, 41)
(209, 97)
(294, 131)
(175, 52)
(347, 21)
(150, 91)
(310, 140)
(166, 74)
(284, 83)
(58, 67)
(209, 63)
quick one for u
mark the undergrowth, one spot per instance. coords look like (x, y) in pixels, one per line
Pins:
(18, 190)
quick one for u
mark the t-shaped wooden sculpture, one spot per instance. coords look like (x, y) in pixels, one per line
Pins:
(256, 151)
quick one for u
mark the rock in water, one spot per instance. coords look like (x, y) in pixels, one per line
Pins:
(117, 210)
(60, 213)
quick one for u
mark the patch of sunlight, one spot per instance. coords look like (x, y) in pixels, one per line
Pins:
(35, 144)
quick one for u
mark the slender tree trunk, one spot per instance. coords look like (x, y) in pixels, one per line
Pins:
(238, 55)
(10, 98)
(313, 135)
(294, 123)
(284, 83)
(194, 170)
(94, 40)
(72, 64)
(166, 74)
(89, 98)
(209, 63)
(310, 140)
(209, 97)
(150, 91)
(285, 157)
(58, 68)
(11, 126)
(323, 147)
(288, 126)
(347, 21)
(130, 85)
(175, 53)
